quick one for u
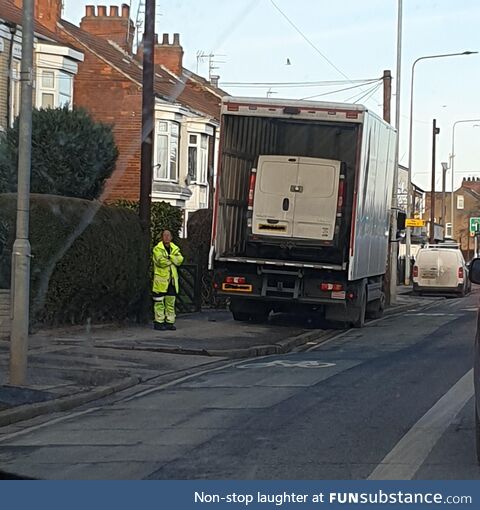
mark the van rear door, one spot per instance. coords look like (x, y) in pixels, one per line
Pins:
(274, 202)
(296, 197)
(316, 202)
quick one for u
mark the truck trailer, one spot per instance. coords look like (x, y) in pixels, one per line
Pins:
(302, 209)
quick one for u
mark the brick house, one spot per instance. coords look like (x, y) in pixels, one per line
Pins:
(466, 205)
(109, 85)
(56, 64)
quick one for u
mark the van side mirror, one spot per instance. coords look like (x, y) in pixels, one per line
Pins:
(475, 271)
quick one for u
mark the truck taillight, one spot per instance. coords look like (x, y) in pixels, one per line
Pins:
(235, 279)
(336, 287)
(341, 194)
(415, 271)
(251, 189)
(460, 272)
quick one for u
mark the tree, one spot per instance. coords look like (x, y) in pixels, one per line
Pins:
(72, 155)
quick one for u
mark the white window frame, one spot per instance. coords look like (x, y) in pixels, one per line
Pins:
(448, 230)
(460, 202)
(61, 96)
(201, 144)
(15, 97)
(170, 130)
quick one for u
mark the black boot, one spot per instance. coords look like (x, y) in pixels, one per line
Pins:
(157, 326)
(170, 327)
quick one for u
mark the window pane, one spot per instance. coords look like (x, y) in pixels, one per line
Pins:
(173, 157)
(192, 163)
(193, 139)
(460, 202)
(161, 170)
(175, 129)
(65, 84)
(47, 101)
(48, 79)
(163, 126)
(203, 166)
(204, 141)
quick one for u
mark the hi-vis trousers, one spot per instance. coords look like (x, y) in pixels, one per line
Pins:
(164, 309)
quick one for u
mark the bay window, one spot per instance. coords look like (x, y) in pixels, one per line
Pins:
(167, 141)
(198, 158)
(55, 88)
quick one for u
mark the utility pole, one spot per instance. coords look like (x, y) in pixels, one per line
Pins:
(444, 190)
(387, 100)
(148, 112)
(387, 95)
(435, 132)
(21, 247)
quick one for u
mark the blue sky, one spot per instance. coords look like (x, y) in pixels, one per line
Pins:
(359, 38)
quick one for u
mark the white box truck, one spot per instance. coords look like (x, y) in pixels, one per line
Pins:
(302, 209)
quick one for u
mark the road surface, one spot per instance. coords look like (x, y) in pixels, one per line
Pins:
(393, 400)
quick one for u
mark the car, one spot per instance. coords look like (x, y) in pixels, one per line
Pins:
(441, 270)
(475, 278)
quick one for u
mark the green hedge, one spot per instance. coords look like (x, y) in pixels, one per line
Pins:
(89, 260)
(163, 217)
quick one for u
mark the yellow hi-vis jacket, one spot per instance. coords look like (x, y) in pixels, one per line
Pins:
(165, 267)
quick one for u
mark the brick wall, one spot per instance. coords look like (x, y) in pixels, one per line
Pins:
(4, 313)
(113, 99)
(4, 84)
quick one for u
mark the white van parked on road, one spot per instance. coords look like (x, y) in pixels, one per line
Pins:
(441, 270)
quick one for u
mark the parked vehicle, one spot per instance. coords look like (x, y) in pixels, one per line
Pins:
(302, 208)
(441, 270)
(475, 278)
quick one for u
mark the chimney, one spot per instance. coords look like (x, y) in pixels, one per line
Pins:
(170, 55)
(115, 26)
(214, 79)
(47, 12)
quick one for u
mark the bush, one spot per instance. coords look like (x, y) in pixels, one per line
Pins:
(163, 217)
(71, 154)
(88, 260)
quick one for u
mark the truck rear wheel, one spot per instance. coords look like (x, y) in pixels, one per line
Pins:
(362, 312)
(375, 309)
(240, 316)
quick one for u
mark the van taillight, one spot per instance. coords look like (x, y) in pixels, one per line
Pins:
(341, 194)
(251, 189)
(235, 279)
(415, 271)
(460, 272)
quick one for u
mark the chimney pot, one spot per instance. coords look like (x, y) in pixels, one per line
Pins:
(176, 39)
(102, 10)
(165, 39)
(90, 10)
(156, 38)
(113, 11)
(125, 11)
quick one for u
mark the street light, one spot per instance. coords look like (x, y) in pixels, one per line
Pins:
(452, 159)
(445, 168)
(410, 154)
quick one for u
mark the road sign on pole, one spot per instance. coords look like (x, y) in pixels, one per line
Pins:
(474, 225)
(415, 222)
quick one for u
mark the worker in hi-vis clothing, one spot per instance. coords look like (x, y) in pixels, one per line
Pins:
(166, 259)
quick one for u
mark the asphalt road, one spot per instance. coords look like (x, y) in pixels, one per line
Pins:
(393, 400)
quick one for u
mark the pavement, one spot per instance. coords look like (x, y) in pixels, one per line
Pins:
(69, 367)
(392, 400)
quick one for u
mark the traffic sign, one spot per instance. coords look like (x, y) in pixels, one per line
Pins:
(474, 225)
(413, 222)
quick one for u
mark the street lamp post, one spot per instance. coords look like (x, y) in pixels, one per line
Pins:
(410, 155)
(445, 168)
(452, 158)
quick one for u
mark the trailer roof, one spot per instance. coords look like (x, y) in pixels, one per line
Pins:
(294, 102)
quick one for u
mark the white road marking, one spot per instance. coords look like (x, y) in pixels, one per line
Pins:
(422, 314)
(289, 364)
(412, 450)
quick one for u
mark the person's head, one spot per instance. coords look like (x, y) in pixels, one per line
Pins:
(167, 237)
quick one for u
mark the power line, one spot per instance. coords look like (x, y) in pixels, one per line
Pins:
(369, 94)
(296, 83)
(337, 91)
(309, 42)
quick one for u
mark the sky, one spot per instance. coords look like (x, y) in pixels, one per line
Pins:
(345, 40)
